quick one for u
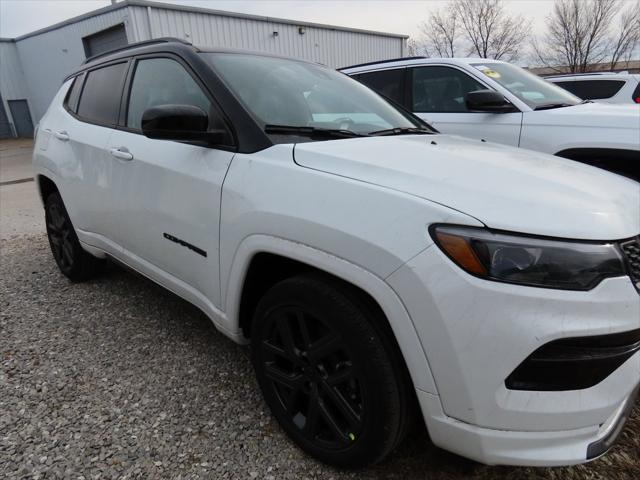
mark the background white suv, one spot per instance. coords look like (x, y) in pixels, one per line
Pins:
(381, 272)
(602, 87)
(499, 102)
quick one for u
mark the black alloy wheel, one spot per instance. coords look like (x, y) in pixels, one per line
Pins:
(329, 376)
(74, 262)
(310, 370)
(60, 233)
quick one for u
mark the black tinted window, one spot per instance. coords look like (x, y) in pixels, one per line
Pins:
(389, 83)
(71, 101)
(100, 101)
(593, 89)
(441, 89)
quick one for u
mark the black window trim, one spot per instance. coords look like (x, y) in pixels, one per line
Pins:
(128, 84)
(86, 73)
(477, 78)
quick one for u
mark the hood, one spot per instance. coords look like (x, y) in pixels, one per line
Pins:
(599, 115)
(503, 187)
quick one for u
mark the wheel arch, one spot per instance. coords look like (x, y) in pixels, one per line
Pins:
(46, 187)
(262, 260)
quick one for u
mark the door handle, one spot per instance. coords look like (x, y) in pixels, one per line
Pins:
(62, 135)
(121, 153)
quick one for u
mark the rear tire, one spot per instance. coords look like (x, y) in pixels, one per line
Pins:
(74, 262)
(328, 376)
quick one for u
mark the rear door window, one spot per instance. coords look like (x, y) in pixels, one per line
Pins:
(100, 100)
(389, 83)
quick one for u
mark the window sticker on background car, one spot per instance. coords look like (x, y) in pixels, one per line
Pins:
(488, 72)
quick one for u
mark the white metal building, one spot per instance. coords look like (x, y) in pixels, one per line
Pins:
(33, 66)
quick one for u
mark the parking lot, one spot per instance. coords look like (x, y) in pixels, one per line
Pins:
(117, 378)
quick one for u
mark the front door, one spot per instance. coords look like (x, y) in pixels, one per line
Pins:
(169, 192)
(438, 97)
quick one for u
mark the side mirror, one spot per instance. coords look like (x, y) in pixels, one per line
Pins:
(487, 101)
(185, 123)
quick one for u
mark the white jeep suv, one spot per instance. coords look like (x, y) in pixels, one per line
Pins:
(601, 87)
(500, 102)
(381, 272)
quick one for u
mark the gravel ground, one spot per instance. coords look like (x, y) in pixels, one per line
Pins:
(116, 378)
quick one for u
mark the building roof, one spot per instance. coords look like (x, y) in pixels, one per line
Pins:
(185, 8)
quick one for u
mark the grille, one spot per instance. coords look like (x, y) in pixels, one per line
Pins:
(631, 250)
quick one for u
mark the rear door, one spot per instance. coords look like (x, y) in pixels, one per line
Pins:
(170, 191)
(437, 94)
(89, 169)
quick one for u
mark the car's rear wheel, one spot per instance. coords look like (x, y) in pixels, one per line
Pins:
(74, 262)
(327, 374)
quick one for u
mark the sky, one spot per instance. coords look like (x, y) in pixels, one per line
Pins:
(18, 17)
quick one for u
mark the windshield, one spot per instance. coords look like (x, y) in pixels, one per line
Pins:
(529, 88)
(283, 92)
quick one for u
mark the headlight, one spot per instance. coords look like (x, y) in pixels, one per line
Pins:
(528, 260)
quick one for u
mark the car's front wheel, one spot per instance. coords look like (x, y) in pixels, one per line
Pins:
(74, 262)
(329, 377)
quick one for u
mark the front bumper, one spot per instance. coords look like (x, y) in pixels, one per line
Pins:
(476, 333)
(510, 447)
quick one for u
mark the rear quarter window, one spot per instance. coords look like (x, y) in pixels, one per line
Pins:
(593, 89)
(100, 99)
(71, 101)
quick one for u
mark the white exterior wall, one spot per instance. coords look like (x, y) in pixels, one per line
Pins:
(39, 62)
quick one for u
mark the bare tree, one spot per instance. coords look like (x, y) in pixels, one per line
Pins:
(491, 32)
(416, 48)
(579, 34)
(625, 42)
(441, 32)
(475, 27)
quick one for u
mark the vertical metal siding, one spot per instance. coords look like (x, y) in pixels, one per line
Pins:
(12, 78)
(335, 48)
(12, 83)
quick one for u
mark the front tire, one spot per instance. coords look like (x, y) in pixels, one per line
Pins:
(326, 373)
(74, 262)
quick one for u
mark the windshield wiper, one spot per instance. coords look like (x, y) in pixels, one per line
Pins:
(401, 131)
(548, 106)
(312, 131)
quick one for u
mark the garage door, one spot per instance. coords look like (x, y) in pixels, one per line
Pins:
(21, 118)
(5, 128)
(105, 40)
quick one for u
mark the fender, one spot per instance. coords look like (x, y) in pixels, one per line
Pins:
(395, 311)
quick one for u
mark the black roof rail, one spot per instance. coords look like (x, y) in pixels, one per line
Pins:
(382, 61)
(137, 44)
